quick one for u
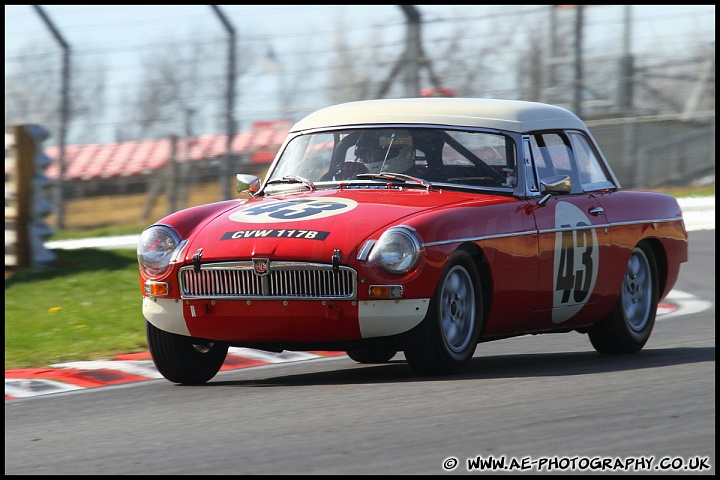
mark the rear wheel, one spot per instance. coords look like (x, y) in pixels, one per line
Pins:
(446, 339)
(372, 354)
(182, 359)
(628, 327)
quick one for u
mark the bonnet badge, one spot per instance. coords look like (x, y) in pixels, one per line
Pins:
(261, 266)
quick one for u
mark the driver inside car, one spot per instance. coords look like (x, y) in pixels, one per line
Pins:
(378, 151)
(385, 151)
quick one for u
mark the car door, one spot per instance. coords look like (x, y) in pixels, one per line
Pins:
(573, 238)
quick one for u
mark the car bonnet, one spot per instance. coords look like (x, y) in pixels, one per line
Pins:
(310, 226)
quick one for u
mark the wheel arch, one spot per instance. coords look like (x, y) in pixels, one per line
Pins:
(660, 262)
(483, 268)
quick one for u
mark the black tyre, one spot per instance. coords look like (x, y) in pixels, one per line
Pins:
(182, 359)
(628, 327)
(446, 339)
(372, 354)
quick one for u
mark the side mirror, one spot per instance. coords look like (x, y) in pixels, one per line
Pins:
(557, 184)
(247, 184)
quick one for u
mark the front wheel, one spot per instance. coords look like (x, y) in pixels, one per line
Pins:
(628, 327)
(446, 339)
(182, 359)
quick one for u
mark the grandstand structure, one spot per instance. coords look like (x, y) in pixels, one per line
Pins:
(122, 167)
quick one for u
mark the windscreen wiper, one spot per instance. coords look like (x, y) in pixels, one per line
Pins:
(293, 179)
(397, 177)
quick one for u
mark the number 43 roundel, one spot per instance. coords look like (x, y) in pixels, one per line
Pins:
(575, 263)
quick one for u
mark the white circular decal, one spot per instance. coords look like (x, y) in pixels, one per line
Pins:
(293, 210)
(575, 263)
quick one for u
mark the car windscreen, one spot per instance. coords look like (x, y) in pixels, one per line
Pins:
(455, 157)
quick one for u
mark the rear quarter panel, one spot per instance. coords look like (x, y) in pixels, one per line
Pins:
(651, 216)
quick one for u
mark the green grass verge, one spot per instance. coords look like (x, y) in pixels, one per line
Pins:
(87, 306)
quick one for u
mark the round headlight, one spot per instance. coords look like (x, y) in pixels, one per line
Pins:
(397, 250)
(155, 249)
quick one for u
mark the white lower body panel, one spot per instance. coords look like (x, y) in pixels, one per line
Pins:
(380, 318)
(166, 314)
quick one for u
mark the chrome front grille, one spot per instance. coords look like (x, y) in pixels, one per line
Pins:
(284, 280)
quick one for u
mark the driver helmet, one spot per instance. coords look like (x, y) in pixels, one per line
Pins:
(385, 151)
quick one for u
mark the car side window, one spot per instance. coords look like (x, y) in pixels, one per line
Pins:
(552, 156)
(592, 174)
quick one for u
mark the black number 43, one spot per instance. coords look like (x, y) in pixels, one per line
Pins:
(570, 279)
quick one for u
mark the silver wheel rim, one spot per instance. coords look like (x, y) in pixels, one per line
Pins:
(457, 309)
(637, 291)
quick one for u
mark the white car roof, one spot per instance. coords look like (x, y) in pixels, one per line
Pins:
(512, 115)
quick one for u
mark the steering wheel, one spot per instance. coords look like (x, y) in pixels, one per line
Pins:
(345, 171)
(312, 167)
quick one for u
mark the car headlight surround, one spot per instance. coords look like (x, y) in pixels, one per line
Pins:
(397, 250)
(155, 250)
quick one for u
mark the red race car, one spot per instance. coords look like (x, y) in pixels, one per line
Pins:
(423, 225)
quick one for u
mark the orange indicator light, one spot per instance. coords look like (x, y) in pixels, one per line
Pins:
(386, 291)
(156, 289)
